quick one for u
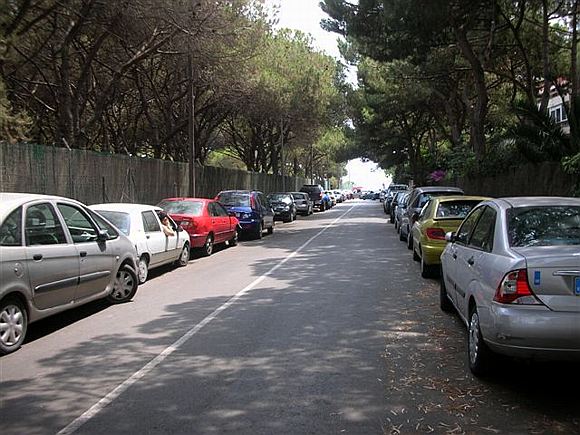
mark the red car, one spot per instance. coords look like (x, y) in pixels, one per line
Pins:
(206, 221)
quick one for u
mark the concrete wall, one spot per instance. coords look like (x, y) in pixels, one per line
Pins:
(93, 177)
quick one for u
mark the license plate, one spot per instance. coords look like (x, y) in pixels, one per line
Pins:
(577, 286)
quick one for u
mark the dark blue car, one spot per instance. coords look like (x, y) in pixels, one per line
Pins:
(252, 209)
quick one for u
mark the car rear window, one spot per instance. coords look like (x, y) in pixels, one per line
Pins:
(454, 209)
(193, 208)
(280, 197)
(120, 219)
(234, 199)
(543, 226)
(425, 197)
(299, 195)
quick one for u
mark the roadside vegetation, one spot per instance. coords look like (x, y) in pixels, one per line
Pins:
(456, 88)
(116, 77)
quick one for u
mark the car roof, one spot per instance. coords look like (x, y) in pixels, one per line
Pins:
(239, 191)
(10, 200)
(428, 189)
(530, 201)
(185, 198)
(123, 207)
(452, 198)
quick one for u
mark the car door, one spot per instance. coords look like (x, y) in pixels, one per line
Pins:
(52, 260)
(452, 272)
(224, 222)
(97, 258)
(477, 260)
(267, 211)
(156, 239)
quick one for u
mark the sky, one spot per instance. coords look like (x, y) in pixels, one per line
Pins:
(305, 15)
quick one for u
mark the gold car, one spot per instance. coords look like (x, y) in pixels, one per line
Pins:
(440, 215)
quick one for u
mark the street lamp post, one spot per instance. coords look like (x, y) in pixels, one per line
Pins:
(191, 123)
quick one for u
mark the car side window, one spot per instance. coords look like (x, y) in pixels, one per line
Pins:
(221, 211)
(11, 229)
(426, 210)
(78, 223)
(467, 225)
(42, 226)
(482, 235)
(150, 222)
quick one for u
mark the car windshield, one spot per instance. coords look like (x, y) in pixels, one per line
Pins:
(280, 197)
(234, 199)
(543, 226)
(120, 219)
(193, 208)
(454, 209)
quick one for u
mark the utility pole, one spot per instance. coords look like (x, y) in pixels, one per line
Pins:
(191, 123)
(311, 163)
(282, 157)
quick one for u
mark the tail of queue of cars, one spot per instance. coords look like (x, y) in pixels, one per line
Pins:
(512, 273)
(57, 254)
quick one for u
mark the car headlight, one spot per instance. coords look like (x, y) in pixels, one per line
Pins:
(287, 208)
(246, 216)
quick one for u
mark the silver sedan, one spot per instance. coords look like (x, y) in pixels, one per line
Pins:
(512, 272)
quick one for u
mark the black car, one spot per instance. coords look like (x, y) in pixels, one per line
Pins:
(283, 205)
(316, 193)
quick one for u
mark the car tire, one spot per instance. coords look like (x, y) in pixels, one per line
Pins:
(426, 269)
(258, 232)
(271, 229)
(142, 269)
(416, 256)
(184, 256)
(125, 285)
(444, 302)
(401, 236)
(234, 240)
(409, 240)
(14, 318)
(478, 354)
(392, 219)
(207, 248)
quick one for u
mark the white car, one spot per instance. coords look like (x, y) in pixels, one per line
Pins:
(142, 225)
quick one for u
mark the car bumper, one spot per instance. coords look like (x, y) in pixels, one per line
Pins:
(302, 208)
(432, 252)
(532, 331)
(197, 240)
(249, 226)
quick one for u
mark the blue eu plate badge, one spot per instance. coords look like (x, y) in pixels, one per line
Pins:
(577, 286)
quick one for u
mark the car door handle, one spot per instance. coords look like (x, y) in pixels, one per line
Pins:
(37, 257)
(471, 261)
(83, 254)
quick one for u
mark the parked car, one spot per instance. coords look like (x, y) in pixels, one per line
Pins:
(252, 208)
(390, 193)
(512, 273)
(339, 196)
(304, 205)
(330, 194)
(142, 225)
(418, 198)
(400, 209)
(206, 221)
(438, 217)
(56, 254)
(316, 193)
(399, 194)
(283, 205)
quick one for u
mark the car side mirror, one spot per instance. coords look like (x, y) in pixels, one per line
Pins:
(232, 214)
(450, 237)
(415, 217)
(102, 235)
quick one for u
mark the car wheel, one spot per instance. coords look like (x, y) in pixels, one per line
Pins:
(426, 270)
(271, 229)
(259, 231)
(207, 248)
(184, 256)
(409, 240)
(478, 353)
(143, 269)
(234, 240)
(444, 302)
(391, 219)
(13, 325)
(401, 236)
(125, 285)
(416, 256)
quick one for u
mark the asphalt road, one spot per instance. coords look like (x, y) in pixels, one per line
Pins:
(324, 327)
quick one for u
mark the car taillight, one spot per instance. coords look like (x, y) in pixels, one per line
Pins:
(252, 202)
(187, 224)
(515, 289)
(436, 233)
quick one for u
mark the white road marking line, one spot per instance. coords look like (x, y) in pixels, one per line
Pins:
(124, 386)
